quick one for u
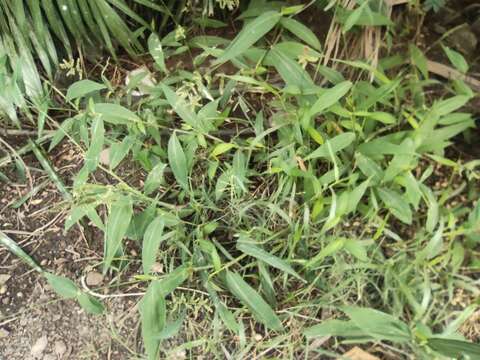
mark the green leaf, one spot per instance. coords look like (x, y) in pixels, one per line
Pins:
(396, 204)
(119, 218)
(419, 60)
(154, 178)
(90, 304)
(341, 328)
(178, 161)
(328, 250)
(83, 87)
(356, 195)
(181, 107)
(153, 316)
(302, 32)
(174, 279)
(151, 241)
(329, 97)
(290, 70)
(171, 329)
(116, 114)
(457, 60)
(222, 148)
(250, 298)
(354, 17)
(249, 35)
(378, 324)
(334, 145)
(155, 48)
(454, 348)
(272, 260)
(356, 249)
(16, 250)
(92, 156)
(64, 287)
(449, 105)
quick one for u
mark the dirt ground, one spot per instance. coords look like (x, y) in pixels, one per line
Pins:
(34, 323)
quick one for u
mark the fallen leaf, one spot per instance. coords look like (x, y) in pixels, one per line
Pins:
(94, 278)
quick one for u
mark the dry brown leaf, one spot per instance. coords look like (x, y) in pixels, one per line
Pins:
(358, 354)
(450, 73)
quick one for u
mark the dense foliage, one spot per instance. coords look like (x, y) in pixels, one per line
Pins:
(291, 196)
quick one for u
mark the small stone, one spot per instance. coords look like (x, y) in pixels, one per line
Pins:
(105, 156)
(20, 294)
(4, 333)
(43, 262)
(3, 289)
(60, 348)
(39, 347)
(94, 278)
(258, 337)
(6, 301)
(157, 267)
(4, 278)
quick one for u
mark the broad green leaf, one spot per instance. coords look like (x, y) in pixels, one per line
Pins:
(151, 241)
(153, 317)
(356, 195)
(369, 168)
(118, 151)
(419, 60)
(457, 60)
(353, 17)
(356, 249)
(249, 35)
(329, 97)
(154, 178)
(90, 304)
(178, 161)
(174, 279)
(155, 48)
(378, 324)
(434, 246)
(83, 87)
(64, 287)
(362, 16)
(449, 105)
(116, 114)
(290, 70)
(397, 205)
(346, 329)
(171, 329)
(222, 148)
(383, 117)
(92, 156)
(119, 218)
(272, 260)
(456, 349)
(333, 145)
(250, 298)
(328, 250)
(181, 107)
(302, 32)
